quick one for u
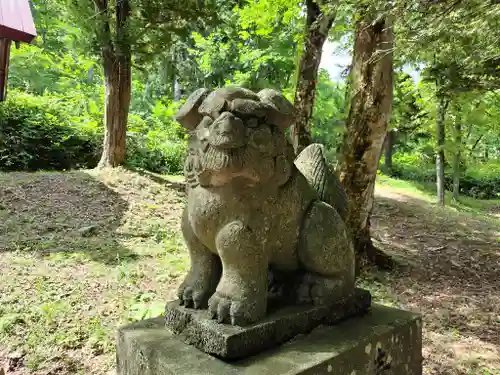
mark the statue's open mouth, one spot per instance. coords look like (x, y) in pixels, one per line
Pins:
(221, 159)
(221, 166)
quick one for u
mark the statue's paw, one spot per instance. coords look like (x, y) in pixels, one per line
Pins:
(229, 310)
(193, 295)
(320, 290)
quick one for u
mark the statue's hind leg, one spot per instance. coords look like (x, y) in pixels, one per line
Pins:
(327, 256)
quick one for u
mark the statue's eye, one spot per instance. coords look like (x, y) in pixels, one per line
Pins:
(203, 133)
(252, 122)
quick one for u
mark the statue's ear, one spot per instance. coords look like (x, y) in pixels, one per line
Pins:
(188, 115)
(282, 111)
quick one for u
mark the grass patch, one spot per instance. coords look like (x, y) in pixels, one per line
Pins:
(80, 254)
(427, 192)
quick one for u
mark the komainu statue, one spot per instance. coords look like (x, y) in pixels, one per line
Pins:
(255, 211)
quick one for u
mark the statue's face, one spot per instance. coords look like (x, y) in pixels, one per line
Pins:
(236, 134)
(230, 147)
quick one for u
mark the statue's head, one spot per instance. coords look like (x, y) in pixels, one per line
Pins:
(236, 134)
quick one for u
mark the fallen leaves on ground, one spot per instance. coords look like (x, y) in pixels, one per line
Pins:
(450, 272)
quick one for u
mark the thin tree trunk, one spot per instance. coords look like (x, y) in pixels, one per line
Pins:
(170, 76)
(117, 88)
(369, 115)
(5, 45)
(440, 136)
(388, 151)
(177, 90)
(317, 27)
(475, 144)
(90, 75)
(456, 161)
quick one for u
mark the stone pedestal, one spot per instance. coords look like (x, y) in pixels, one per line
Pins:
(385, 341)
(229, 342)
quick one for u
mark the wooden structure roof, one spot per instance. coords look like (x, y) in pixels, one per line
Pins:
(16, 21)
(16, 24)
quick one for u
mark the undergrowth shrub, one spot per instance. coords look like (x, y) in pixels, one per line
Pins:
(478, 181)
(35, 133)
(157, 143)
(160, 156)
(55, 132)
(413, 167)
(482, 180)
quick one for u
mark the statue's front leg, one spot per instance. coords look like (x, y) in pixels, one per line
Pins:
(204, 273)
(241, 296)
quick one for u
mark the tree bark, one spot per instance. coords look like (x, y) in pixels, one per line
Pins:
(5, 45)
(116, 61)
(369, 115)
(317, 27)
(440, 136)
(170, 76)
(177, 90)
(456, 161)
(388, 151)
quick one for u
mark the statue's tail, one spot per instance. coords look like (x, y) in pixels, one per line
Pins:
(312, 163)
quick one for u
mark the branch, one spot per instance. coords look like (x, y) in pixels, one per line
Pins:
(475, 144)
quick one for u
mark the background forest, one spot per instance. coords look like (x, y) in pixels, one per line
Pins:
(55, 113)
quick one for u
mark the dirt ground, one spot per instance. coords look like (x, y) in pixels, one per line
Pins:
(450, 272)
(84, 252)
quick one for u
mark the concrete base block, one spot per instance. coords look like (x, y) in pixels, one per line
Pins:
(385, 341)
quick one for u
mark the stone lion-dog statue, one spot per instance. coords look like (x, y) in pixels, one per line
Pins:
(254, 209)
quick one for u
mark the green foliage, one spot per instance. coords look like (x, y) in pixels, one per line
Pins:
(146, 306)
(157, 143)
(36, 70)
(482, 181)
(41, 132)
(413, 167)
(478, 181)
(330, 111)
(35, 133)
(251, 47)
(160, 156)
(456, 44)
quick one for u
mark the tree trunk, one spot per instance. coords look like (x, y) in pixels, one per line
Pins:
(117, 89)
(440, 136)
(317, 27)
(370, 111)
(177, 90)
(5, 45)
(388, 151)
(170, 77)
(456, 161)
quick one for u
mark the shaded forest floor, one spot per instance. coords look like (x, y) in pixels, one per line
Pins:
(84, 252)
